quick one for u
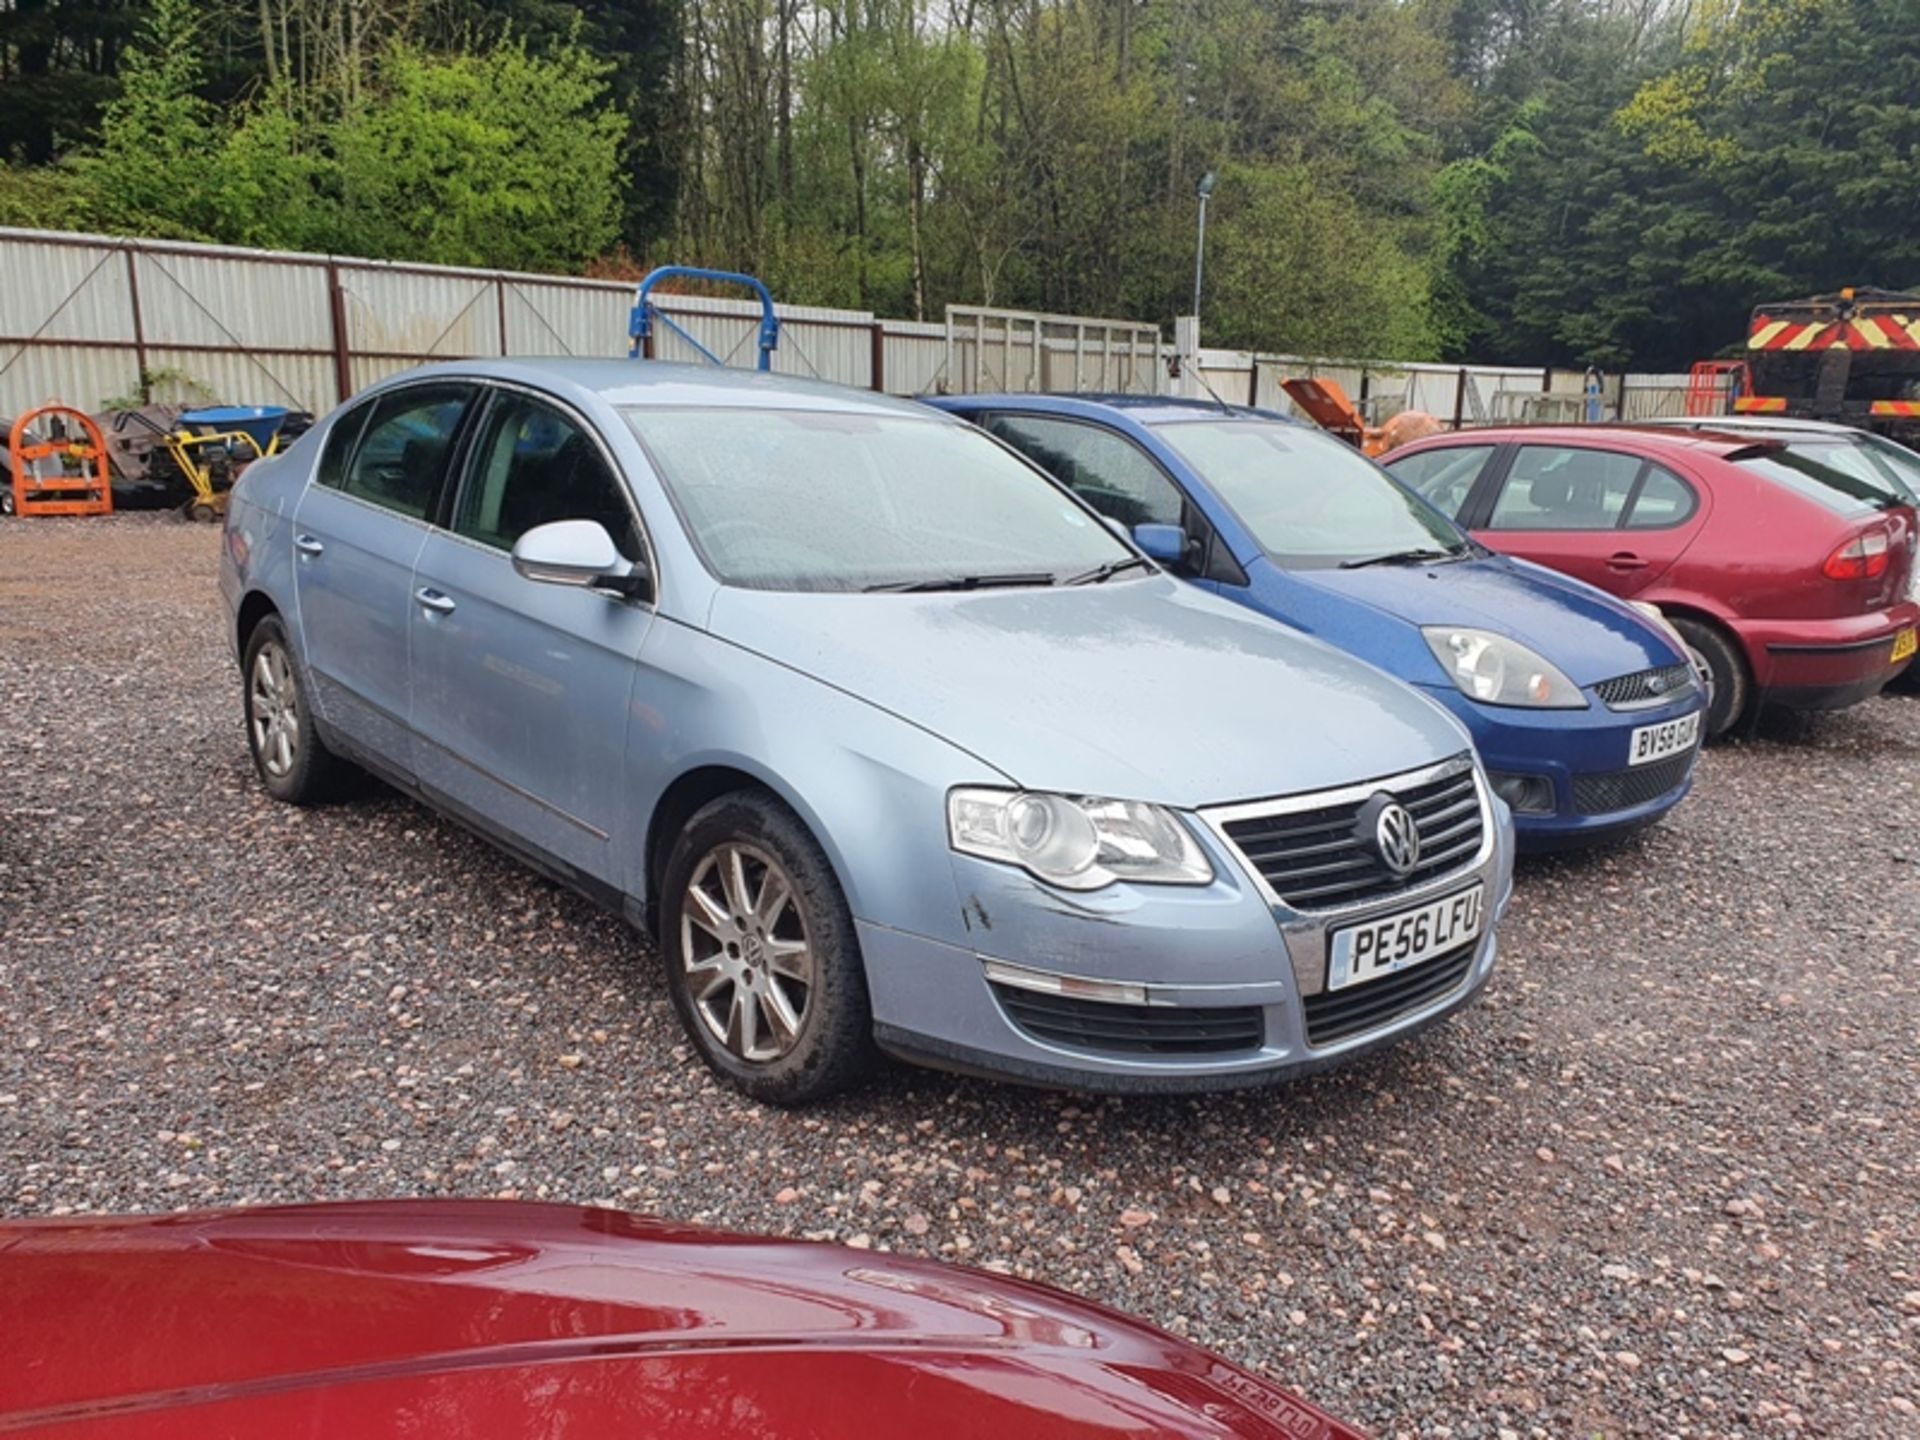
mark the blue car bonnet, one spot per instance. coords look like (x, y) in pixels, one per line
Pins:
(1587, 635)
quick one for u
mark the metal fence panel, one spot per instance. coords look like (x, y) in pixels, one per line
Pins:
(421, 314)
(914, 358)
(189, 299)
(544, 318)
(300, 381)
(815, 343)
(1023, 351)
(80, 375)
(1654, 397)
(63, 289)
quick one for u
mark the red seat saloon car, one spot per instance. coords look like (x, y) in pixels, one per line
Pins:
(1791, 574)
(501, 1321)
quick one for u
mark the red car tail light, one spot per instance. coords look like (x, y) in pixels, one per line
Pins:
(1864, 557)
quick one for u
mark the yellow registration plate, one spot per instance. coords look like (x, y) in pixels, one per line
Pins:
(1904, 645)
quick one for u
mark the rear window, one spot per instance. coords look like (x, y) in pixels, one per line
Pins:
(1840, 476)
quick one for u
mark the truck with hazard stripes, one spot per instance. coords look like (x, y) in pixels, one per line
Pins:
(1851, 357)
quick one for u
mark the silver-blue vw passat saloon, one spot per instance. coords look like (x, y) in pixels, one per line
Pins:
(886, 738)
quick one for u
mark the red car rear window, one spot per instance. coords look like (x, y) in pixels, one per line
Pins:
(1836, 476)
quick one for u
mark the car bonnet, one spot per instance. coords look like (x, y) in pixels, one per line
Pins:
(1587, 635)
(509, 1320)
(1143, 689)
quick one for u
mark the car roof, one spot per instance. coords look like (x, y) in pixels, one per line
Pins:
(1760, 425)
(665, 382)
(1639, 439)
(1143, 409)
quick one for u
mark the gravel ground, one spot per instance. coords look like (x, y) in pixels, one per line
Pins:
(1665, 1181)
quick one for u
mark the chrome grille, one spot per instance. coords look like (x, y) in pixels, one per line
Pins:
(1646, 688)
(1313, 856)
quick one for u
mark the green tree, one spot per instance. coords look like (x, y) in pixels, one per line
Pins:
(153, 173)
(1302, 267)
(505, 158)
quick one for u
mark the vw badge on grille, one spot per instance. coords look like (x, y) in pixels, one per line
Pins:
(1396, 838)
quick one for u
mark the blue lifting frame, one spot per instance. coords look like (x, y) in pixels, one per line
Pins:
(645, 312)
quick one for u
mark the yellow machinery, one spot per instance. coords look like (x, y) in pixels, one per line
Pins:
(203, 452)
(210, 464)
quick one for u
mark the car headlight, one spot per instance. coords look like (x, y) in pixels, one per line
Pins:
(1076, 843)
(1494, 670)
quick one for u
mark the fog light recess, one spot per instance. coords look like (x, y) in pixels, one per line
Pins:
(1527, 794)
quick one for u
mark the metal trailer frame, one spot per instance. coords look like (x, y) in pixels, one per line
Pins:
(645, 312)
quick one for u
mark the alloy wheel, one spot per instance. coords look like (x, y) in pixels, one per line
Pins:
(273, 710)
(748, 958)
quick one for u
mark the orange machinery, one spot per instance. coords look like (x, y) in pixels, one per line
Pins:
(1326, 403)
(82, 485)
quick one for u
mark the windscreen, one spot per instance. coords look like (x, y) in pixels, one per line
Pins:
(823, 500)
(1836, 474)
(1306, 497)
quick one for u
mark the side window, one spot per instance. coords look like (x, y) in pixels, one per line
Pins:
(346, 430)
(1564, 487)
(1109, 472)
(1444, 477)
(1665, 500)
(535, 464)
(404, 450)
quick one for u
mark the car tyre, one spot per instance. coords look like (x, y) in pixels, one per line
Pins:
(289, 756)
(1732, 690)
(762, 960)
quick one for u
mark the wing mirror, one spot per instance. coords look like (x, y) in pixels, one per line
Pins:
(578, 552)
(1165, 543)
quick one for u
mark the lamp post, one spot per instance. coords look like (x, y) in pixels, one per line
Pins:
(1200, 247)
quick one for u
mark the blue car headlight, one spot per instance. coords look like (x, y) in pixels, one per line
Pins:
(1494, 670)
(1077, 843)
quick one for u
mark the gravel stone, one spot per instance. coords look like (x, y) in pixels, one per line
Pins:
(1662, 1182)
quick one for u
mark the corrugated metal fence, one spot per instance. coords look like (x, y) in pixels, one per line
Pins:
(86, 318)
(1460, 396)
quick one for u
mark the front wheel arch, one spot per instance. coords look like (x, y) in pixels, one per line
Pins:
(694, 789)
(254, 608)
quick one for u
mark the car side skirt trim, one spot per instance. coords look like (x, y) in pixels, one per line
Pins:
(1851, 647)
(608, 897)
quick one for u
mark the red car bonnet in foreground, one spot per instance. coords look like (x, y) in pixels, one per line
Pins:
(508, 1321)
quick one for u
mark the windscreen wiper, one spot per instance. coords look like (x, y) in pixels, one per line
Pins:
(1108, 570)
(965, 582)
(1403, 557)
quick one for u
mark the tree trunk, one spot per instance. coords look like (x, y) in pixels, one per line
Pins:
(267, 53)
(916, 185)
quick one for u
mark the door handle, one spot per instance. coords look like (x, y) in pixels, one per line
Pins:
(433, 600)
(1625, 560)
(307, 545)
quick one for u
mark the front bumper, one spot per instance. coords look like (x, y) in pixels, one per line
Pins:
(1228, 949)
(1575, 751)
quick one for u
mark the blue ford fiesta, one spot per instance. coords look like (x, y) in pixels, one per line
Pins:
(1586, 712)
